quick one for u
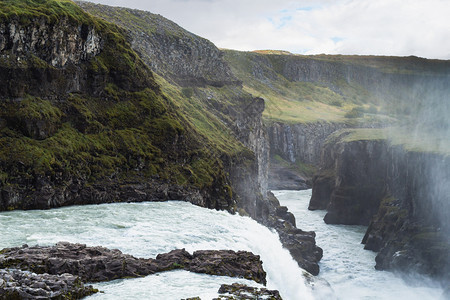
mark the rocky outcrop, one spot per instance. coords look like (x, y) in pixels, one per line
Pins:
(296, 144)
(301, 244)
(67, 190)
(94, 264)
(301, 142)
(241, 291)
(48, 42)
(168, 49)
(402, 194)
(18, 284)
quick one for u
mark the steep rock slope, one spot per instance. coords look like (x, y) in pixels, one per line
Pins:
(83, 119)
(401, 193)
(217, 102)
(309, 97)
(162, 44)
(194, 66)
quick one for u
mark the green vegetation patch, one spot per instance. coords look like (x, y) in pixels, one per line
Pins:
(411, 140)
(129, 130)
(293, 102)
(26, 11)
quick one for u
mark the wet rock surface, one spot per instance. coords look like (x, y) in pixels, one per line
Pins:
(96, 264)
(238, 291)
(301, 244)
(18, 284)
(402, 195)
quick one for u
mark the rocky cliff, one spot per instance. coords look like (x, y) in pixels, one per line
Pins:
(402, 194)
(83, 119)
(194, 63)
(174, 54)
(163, 45)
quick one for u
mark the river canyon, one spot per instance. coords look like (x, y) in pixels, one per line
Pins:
(110, 114)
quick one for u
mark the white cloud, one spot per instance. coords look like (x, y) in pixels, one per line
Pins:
(382, 27)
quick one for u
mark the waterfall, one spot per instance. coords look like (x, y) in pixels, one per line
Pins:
(146, 229)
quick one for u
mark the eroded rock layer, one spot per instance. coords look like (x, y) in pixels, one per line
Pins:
(402, 195)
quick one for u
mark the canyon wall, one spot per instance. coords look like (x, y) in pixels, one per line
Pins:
(403, 196)
(190, 61)
(85, 120)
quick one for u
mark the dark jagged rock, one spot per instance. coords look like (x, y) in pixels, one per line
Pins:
(301, 244)
(323, 187)
(241, 264)
(402, 194)
(168, 49)
(237, 291)
(18, 284)
(352, 178)
(95, 264)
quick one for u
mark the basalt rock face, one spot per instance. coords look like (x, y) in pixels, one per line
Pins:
(302, 142)
(410, 229)
(359, 182)
(96, 264)
(82, 120)
(49, 42)
(168, 49)
(402, 194)
(188, 60)
(296, 143)
(17, 284)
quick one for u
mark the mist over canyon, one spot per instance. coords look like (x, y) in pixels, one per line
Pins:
(101, 104)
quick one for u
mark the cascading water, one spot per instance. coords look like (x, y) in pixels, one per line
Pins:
(147, 229)
(346, 265)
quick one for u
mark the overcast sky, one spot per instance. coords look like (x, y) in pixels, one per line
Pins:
(378, 27)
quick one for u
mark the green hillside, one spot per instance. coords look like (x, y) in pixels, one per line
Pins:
(125, 125)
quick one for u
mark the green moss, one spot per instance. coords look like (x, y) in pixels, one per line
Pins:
(38, 109)
(187, 92)
(28, 10)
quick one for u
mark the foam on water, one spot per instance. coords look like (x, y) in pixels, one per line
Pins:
(147, 229)
(345, 264)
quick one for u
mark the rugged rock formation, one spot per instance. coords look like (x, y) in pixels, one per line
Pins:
(17, 284)
(301, 244)
(168, 49)
(402, 194)
(48, 42)
(240, 291)
(299, 144)
(302, 142)
(95, 264)
(357, 181)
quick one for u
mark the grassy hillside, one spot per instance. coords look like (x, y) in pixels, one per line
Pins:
(298, 102)
(342, 88)
(415, 141)
(130, 130)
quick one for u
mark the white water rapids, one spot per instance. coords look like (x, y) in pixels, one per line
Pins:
(147, 229)
(346, 265)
